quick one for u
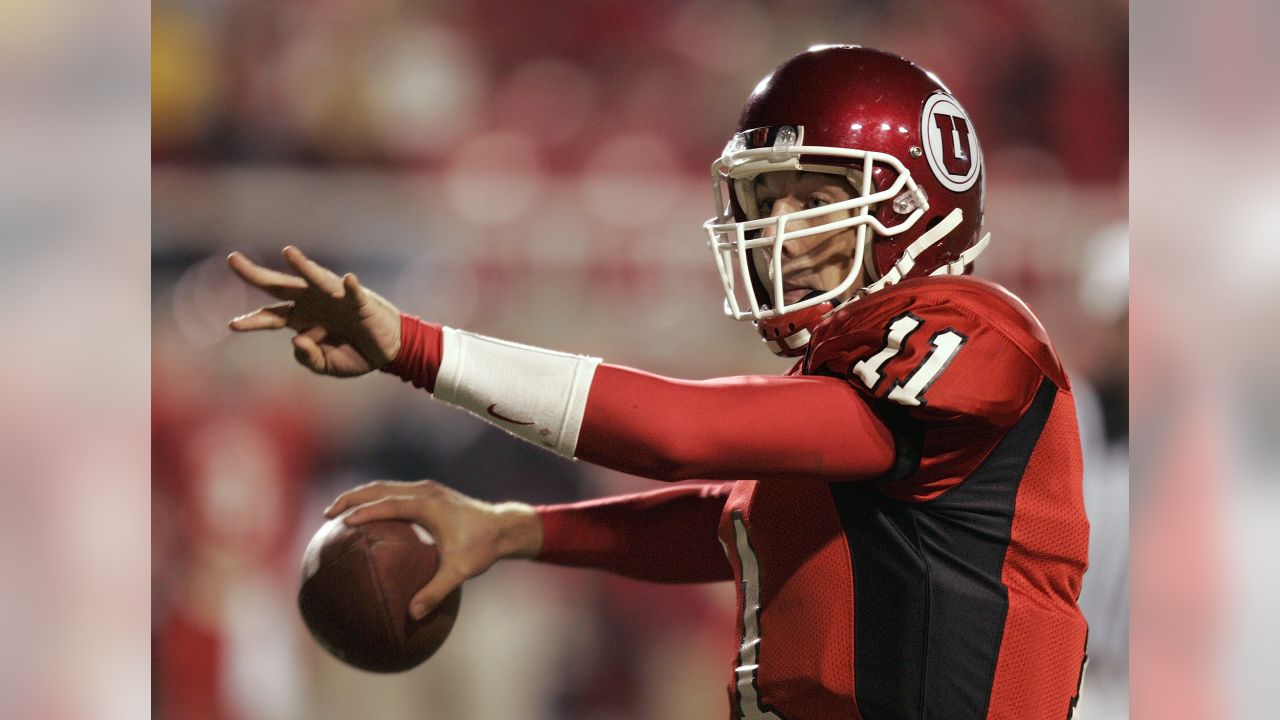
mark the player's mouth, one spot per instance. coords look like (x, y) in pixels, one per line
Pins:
(792, 294)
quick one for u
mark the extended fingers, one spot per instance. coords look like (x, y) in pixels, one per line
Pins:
(394, 507)
(271, 317)
(317, 275)
(370, 492)
(282, 285)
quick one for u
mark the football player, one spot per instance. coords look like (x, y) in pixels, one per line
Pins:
(901, 512)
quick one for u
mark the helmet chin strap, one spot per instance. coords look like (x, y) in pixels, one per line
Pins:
(927, 240)
(966, 258)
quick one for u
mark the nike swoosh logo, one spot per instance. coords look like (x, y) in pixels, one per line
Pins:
(504, 418)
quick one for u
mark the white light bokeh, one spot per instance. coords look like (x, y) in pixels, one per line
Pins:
(424, 88)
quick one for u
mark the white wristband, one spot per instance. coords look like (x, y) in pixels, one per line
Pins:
(535, 394)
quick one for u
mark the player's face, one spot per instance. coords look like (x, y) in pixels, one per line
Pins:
(816, 262)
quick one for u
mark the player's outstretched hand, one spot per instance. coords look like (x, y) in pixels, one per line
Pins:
(343, 329)
(471, 534)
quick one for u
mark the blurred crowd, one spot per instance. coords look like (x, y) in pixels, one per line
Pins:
(411, 84)
(539, 172)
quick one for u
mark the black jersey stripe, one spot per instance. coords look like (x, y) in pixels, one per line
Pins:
(929, 605)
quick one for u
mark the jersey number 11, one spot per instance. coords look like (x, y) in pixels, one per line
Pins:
(909, 391)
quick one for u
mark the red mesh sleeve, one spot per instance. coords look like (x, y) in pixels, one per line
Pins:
(667, 535)
(755, 427)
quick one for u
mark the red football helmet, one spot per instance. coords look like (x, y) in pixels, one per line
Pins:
(907, 148)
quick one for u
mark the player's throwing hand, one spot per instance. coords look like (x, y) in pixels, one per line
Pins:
(343, 329)
(471, 534)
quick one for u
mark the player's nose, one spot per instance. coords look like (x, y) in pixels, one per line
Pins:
(783, 206)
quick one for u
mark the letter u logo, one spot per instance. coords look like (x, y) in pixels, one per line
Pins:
(950, 143)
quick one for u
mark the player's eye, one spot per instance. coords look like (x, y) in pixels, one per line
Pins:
(764, 207)
(817, 202)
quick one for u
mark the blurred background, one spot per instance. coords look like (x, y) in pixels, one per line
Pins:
(539, 172)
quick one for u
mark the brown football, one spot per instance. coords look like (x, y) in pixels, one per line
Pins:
(356, 586)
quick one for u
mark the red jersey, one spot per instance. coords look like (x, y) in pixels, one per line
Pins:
(948, 587)
(913, 543)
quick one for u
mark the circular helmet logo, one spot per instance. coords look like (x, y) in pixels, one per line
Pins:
(950, 143)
